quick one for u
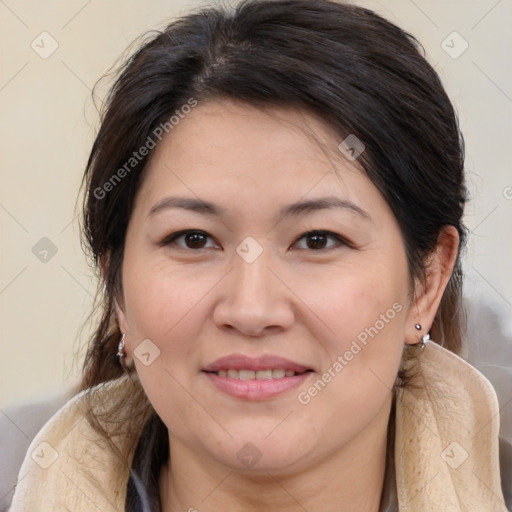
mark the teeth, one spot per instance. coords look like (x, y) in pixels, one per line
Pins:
(247, 374)
(264, 374)
(278, 373)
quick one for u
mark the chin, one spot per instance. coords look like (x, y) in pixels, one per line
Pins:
(260, 452)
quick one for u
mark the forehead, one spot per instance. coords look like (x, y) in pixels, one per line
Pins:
(215, 126)
(232, 152)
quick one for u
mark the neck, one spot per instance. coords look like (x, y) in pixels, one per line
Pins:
(349, 480)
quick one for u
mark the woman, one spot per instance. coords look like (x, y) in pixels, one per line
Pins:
(274, 200)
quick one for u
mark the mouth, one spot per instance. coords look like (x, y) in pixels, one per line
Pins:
(258, 378)
(264, 363)
(267, 374)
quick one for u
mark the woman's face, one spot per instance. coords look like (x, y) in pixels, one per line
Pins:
(249, 295)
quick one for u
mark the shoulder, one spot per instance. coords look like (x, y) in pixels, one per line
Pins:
(19, 423)
(68, 461)
(448, 428)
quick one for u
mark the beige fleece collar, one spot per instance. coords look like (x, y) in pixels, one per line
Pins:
(446, 448)
(446, 440)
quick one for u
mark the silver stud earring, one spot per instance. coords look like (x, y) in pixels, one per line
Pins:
(121, 354)
(421, 344)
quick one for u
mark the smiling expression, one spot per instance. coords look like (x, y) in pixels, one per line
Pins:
(253, 260)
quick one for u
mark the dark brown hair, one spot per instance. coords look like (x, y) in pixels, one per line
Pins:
(358, 72)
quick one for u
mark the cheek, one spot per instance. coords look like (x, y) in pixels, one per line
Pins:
(363, 315)
(163, 301)
(356, 302)
(165, 305)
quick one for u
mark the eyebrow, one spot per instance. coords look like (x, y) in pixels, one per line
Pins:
(294, 209)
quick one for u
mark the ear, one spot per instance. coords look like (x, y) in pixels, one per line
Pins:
(121, 319)
(120, 314)
(428, 293)
(124, 328)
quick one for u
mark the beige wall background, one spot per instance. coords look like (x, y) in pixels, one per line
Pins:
(52, 53)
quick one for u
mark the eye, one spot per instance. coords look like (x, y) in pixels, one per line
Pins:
(196, 239)
(317, 240)
(193, 239)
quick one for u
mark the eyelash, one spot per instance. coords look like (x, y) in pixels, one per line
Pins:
(173, 237)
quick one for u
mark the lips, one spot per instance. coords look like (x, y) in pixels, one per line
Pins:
(261, 363)
(257, 378)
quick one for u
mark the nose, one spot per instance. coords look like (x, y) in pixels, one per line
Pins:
(255, 300)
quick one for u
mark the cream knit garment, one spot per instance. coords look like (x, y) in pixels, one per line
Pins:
(446, 448)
